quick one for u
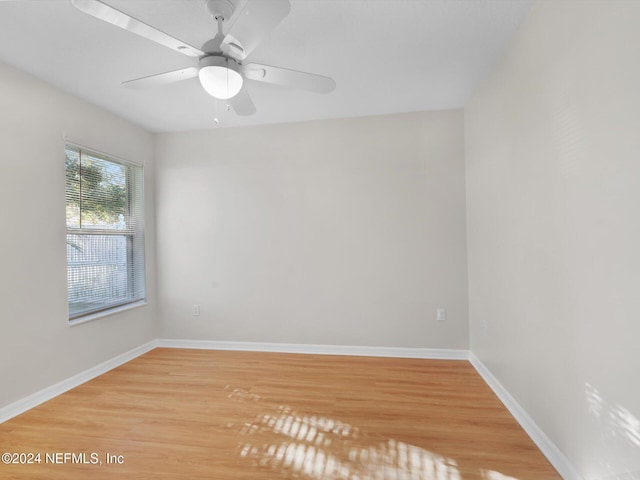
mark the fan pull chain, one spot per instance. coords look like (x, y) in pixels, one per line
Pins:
(220, 21)
(215, 119)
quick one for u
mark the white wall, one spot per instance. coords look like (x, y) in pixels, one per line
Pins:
(345, 232)
(553, 198)
(37, 346)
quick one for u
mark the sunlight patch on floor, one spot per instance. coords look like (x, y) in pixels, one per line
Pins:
(317, 447)
(493, 475)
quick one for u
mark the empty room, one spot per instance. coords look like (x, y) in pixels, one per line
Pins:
(320, 239)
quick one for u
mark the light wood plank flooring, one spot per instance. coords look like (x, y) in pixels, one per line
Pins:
(197, 414)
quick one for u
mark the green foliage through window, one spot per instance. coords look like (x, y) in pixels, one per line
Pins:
(96, 190)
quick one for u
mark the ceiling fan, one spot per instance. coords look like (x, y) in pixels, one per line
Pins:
(221, 68)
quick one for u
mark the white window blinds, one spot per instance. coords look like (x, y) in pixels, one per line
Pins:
(105, 232)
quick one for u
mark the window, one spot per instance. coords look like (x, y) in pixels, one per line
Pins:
(105, 232)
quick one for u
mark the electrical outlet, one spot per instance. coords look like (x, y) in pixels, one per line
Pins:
(195, 310)
(441, 314)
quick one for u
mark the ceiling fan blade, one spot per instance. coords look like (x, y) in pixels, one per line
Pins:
(109, 14)
(289, 78)
(254, 22)
(162, 78)
(242, 103)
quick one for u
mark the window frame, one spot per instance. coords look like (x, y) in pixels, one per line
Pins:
(134, 236)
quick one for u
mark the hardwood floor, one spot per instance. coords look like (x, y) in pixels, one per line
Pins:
(197, 414)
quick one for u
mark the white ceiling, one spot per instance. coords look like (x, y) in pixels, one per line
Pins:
(386, 56)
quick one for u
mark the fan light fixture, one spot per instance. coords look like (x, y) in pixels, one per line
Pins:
(220, 76)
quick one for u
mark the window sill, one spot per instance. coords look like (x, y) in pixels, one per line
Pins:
(94, 316)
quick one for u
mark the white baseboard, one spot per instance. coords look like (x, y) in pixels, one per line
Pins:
(546, 446)
(399, 352)
(16, 408)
